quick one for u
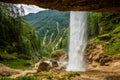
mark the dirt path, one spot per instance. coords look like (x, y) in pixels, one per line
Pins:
(25, 72)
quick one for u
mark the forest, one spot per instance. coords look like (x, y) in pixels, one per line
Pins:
(20, 41)
(26, 40)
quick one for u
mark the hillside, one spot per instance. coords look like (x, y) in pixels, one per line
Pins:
(51, 20)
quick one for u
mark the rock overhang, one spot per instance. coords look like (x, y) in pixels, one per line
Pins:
(73, 5)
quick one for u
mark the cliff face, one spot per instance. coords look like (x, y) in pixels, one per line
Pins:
(75, 5)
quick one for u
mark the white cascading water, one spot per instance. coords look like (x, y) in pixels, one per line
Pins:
(78, 40)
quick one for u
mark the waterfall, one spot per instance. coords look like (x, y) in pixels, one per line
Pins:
(77, 43)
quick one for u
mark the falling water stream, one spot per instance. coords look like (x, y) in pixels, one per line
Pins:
(77, 43)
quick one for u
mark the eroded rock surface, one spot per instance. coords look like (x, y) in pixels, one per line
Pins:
(97, 60)
(75, 5)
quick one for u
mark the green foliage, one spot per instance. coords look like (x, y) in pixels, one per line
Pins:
(117, 29)
(112, 20)
(52, 28)
(26, 78)
(18, 40)
(20, 78)
(49, 20)
(46, 76)
(93, 21)
(46, 51)
(102, 22)
(4, 78)
(57, 53)
(10, 28)
(108, 33)
(73, 74)
(7, 56)
(105, 37)
(113, 49)
(60, 42)
(18, 63)
(114, 46)
(50, 76)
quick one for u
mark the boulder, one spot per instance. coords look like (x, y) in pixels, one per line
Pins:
(51, 65)
(58, 59)
(54, 63)
(44, 66)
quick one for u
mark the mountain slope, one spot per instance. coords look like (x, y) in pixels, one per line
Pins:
(50, 20)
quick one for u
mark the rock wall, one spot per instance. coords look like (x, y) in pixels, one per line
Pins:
(95, 54)
(75, 5)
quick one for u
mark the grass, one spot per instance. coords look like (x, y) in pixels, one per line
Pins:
(72, 74)
(11, 60)
(44, 76)
(8, 56)
(17, 64)
(116, 30)
(47, 76)
(58, 76)
(110, 42)
(26, 78)
(20, 78)
(113, 48)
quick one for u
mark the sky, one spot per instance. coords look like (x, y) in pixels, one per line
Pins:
(30, 8)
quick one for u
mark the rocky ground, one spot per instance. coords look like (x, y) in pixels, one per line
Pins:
(100, 67)
(111, 72)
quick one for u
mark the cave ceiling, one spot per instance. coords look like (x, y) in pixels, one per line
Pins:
(73, 5)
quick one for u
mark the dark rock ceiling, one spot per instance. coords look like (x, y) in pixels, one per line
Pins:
(74, 5)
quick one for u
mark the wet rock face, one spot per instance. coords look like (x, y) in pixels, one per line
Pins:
(94, 54)
(113, 77)
(75, 5)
